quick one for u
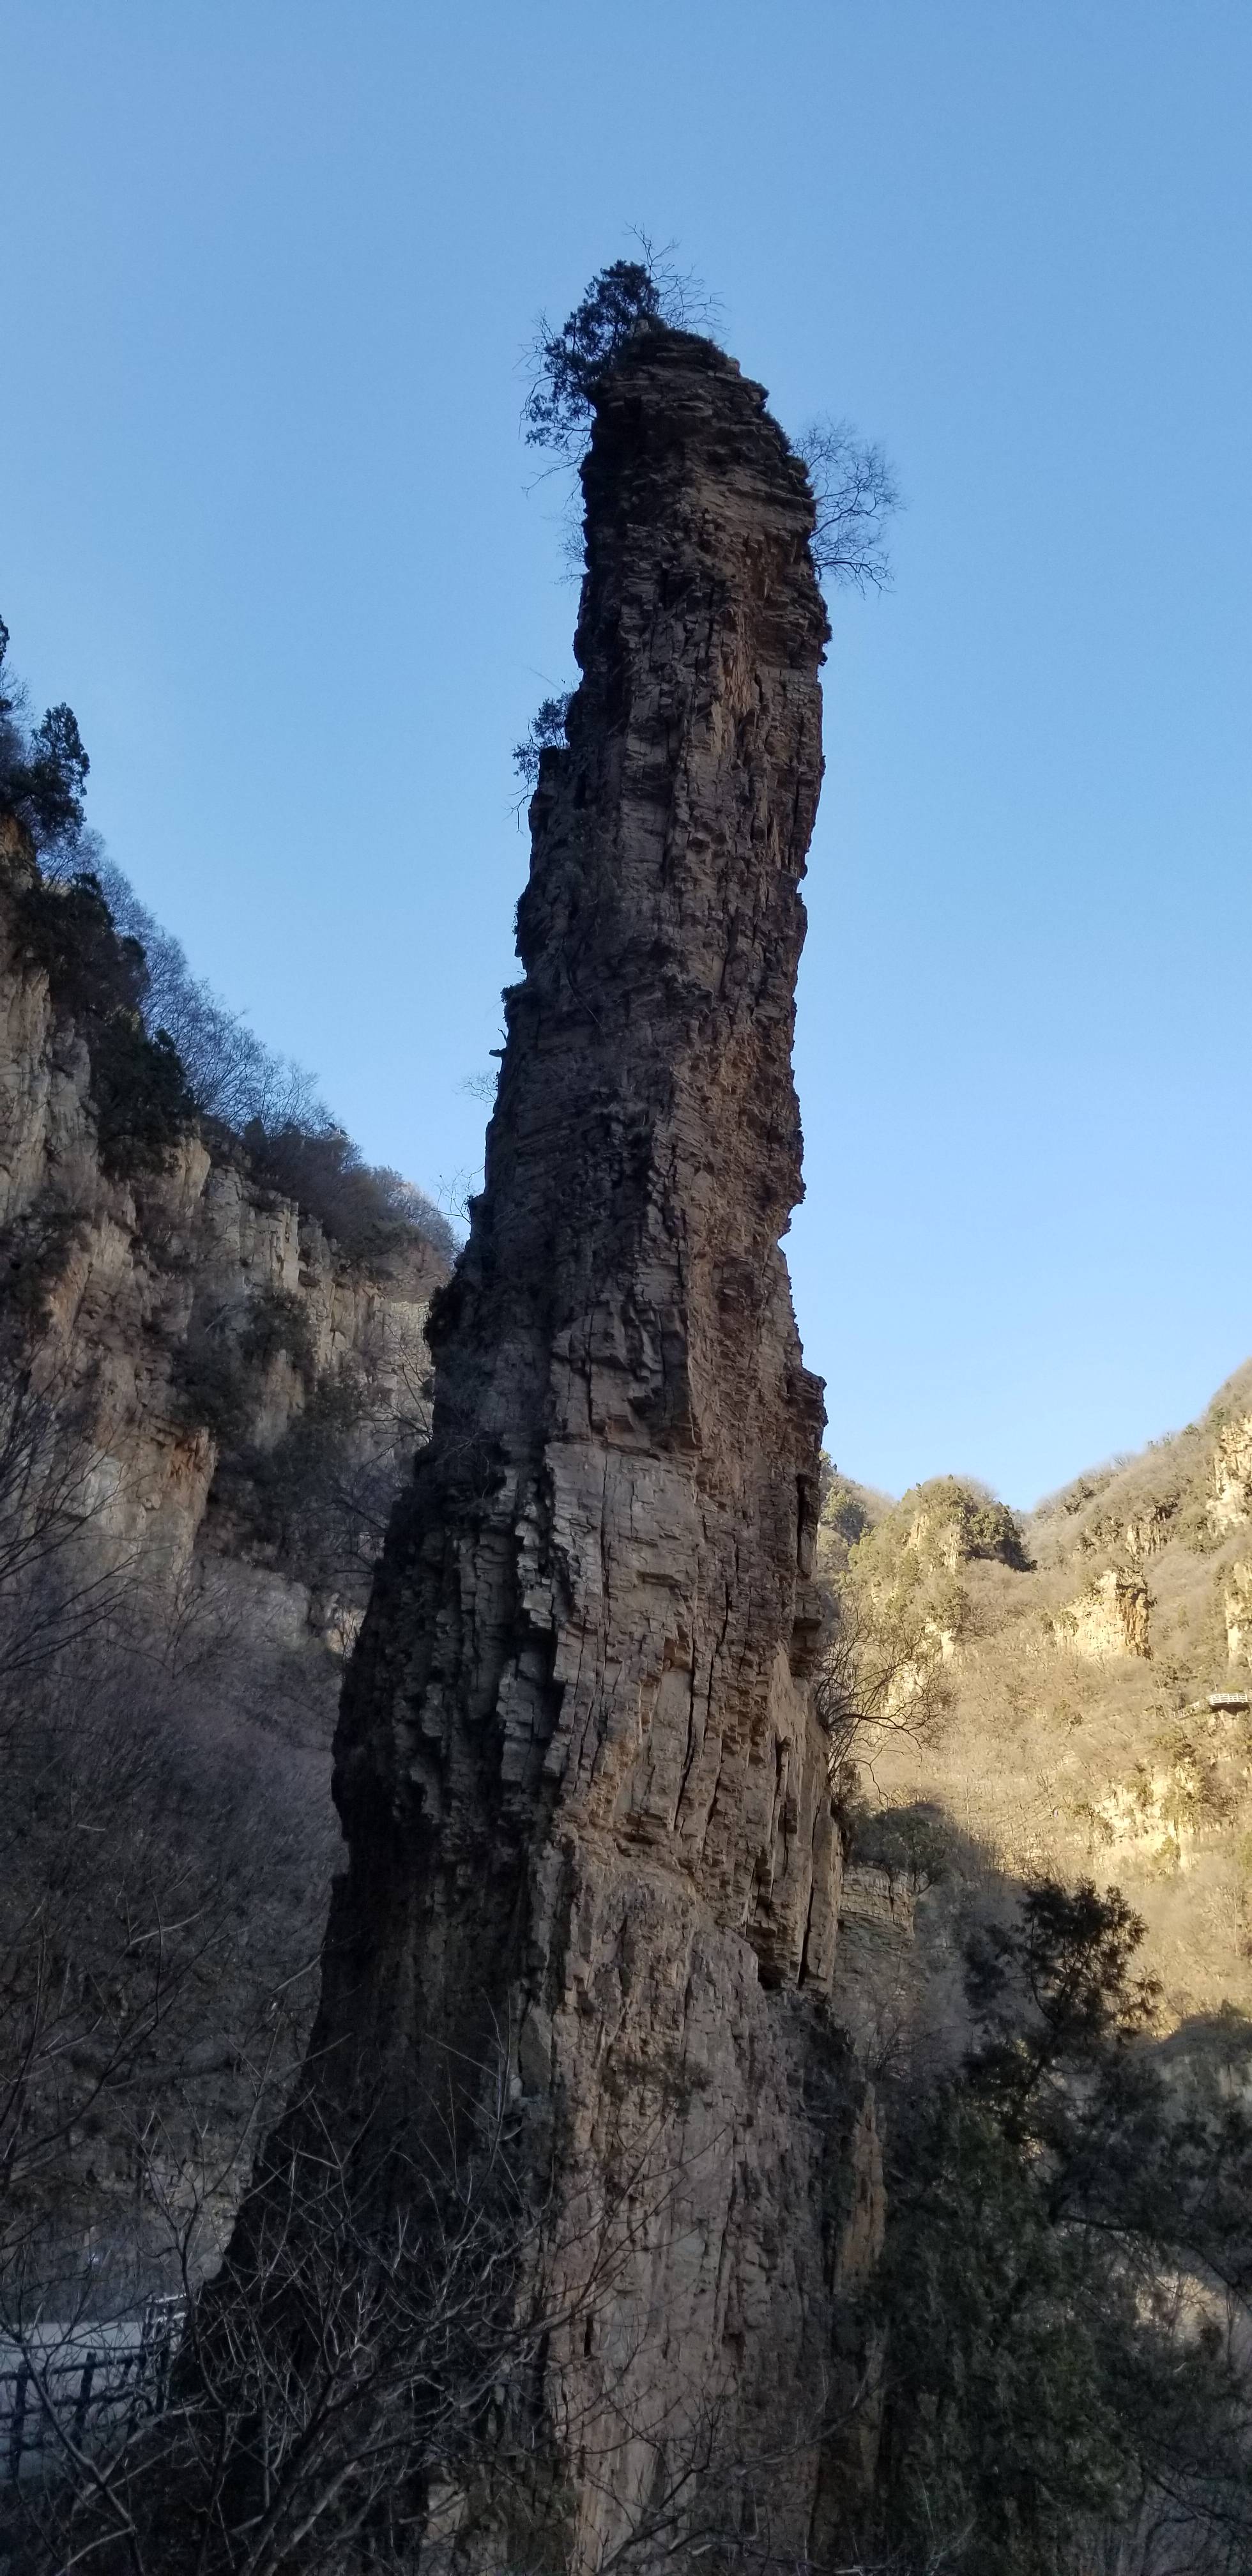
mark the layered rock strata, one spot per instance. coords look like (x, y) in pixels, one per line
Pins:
(584, 1788)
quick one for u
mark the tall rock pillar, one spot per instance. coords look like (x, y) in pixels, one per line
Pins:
(583, 1785)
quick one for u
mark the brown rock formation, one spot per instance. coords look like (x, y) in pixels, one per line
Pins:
(583, 1785)
(1113, 1616)
(1230, 1497)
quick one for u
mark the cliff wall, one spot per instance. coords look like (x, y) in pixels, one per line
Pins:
(206, 1409)
(180, 1314)
(583, 1784)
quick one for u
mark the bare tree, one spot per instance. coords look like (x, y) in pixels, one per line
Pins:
(162, 1866)
(385, 2359)
(231, 1073)
(56, 1587)
(156, 1947)
(880, 1673)
(853, 483)
(370, 2388)
(856, 493)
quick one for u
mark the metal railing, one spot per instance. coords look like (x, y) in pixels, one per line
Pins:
(82, 2382)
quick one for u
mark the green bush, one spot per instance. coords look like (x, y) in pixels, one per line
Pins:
(623, 301)
(143, 1106)
(912, 1845)
(43, 769)
(1042, 2377)
(69, 931)
(843, 1512)
(546, 732)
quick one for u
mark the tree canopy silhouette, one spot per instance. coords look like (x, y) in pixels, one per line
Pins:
(854, 485)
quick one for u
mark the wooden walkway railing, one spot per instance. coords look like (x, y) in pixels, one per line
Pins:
(78, 2380)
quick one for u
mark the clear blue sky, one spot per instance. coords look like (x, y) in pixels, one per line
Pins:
(268, 268)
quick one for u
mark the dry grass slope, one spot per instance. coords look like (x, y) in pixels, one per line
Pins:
(1099, 1719)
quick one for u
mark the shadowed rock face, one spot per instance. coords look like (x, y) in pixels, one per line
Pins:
(584, 1790)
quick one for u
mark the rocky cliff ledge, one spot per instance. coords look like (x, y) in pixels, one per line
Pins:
(583, 1783)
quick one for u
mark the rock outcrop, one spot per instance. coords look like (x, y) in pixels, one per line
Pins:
(1237, 1611)
(177, 1311)
(1112, 1616)
(583, 1785)
(1230, 1498)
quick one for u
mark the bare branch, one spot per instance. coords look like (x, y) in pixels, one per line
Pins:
(856, 493)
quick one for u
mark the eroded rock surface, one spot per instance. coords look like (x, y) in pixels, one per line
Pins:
(1111, 1617)
(584, 1788)
(1230, 1500)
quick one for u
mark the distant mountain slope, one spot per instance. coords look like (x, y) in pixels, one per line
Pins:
(1098, 1688)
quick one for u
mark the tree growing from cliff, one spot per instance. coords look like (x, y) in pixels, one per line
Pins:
(232, 1074)
(856, 493)
(854, 485)
(139, 1088)
(623, 301)
(896, 1605)
(43, 769)
(163, 1047)
(546, 732)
